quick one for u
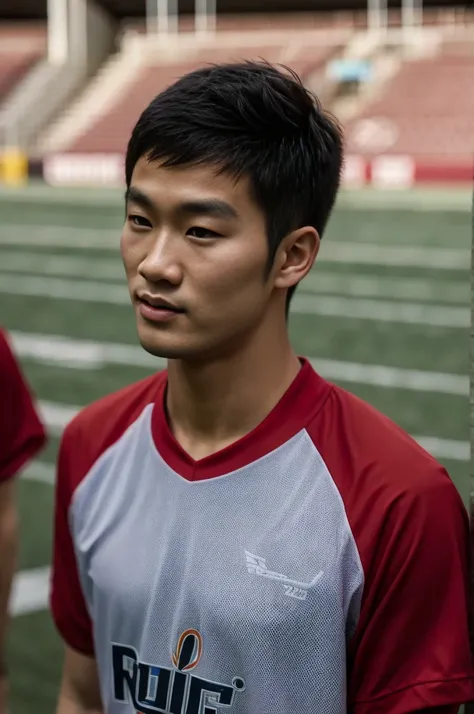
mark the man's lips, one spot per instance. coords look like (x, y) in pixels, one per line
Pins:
(157, 310)
(159, 302)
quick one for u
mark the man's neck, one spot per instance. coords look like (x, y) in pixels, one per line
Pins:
(214, 404)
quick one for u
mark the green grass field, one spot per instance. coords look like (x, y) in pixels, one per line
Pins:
(385, 314)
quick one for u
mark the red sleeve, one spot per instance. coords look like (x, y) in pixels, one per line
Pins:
(22, 434)
(67, 602)
(411, 650)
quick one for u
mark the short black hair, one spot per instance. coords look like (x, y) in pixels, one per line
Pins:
(249, 119)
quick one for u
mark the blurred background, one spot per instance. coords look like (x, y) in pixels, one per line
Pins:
(385, 313)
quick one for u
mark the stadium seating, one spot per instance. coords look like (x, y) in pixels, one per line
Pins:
(20, 48)
(425, 111)
(110, 133)
(418, 109)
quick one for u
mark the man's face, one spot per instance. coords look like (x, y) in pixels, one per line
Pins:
(195, 242)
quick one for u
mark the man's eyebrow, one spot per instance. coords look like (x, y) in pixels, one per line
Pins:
(134, 195)
(196, 207)
(208, 207)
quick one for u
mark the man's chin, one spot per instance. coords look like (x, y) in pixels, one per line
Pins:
(160, 350)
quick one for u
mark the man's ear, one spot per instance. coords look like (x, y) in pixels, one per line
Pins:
(295, 256)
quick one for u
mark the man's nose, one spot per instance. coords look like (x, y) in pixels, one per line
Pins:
(162, 261)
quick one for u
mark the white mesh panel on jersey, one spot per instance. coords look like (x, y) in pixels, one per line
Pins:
(260, 564)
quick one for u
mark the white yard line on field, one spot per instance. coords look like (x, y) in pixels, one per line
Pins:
(57, 416)
(30, 591)
(84, 354)
(445, 448)
(409, 313)
(302, 304)
(336, 251)
(371, 286)
(417, 199)
(392, 377)
(62, 265)
(88, 354)
(318, 281)
(60, 237)
(41, 472)
(389, 255)
(56, 288)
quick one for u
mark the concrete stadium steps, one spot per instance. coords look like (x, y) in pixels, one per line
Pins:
(21, 46)
(423, 110)
(106, 87)
(101, 119)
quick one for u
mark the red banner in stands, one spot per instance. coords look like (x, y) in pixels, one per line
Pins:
(449, 173)
(397, 171)
(387, 171)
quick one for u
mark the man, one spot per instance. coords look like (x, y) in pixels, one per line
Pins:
(21, 437)
(237, 534)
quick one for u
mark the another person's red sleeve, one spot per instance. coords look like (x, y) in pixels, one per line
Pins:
(22, 434)
(67, 601)
(411, 651)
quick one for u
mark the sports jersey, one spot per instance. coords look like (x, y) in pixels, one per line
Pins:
(318, 565)
(22, 434)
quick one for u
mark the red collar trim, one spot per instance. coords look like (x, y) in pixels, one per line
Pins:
(294, 411)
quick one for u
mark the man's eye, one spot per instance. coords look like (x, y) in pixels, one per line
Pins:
(139, 221)
(197, 232)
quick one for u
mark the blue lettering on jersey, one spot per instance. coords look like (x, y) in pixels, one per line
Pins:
(162, 690)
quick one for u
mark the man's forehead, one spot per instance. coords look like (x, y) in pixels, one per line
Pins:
(187, 184)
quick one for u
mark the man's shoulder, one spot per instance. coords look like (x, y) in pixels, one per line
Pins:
(119, 407)
(366, 452)
(387, 481)
(101, 424)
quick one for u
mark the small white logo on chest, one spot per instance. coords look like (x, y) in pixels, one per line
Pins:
(293, 588)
